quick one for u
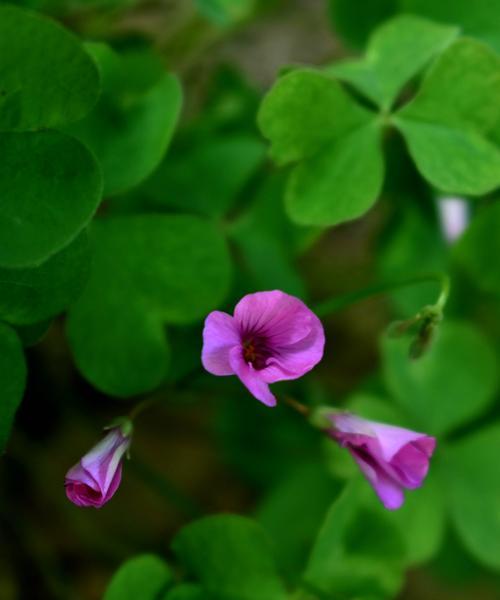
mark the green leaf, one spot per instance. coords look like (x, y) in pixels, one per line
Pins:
(131, 126)
(46, 77)
(147, 270)
(460, 90)
(397, 51)
(232, 557)
(207, 177)
(421, 521)
(358, 552)
(478, 246)
(267, 263)
(438, 390)
(269, 242)
(12, 379)
(293, 512)
(479, 19)
(473, 480)
(294, 130)
(343, 171)
(356, 25)
(145, 577)
(185, 591)
(340, 183)
(455, 161)
(28, 296)
(50, 186)
(447, 122)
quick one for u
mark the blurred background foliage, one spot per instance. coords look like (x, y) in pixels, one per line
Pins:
(147, 117)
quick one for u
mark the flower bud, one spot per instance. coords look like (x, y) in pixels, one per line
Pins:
(96, 477)
(391, 458)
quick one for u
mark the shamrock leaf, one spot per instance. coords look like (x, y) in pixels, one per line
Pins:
(397, 51)
(205, 545)
(29, 296)
(145, 576)
(50, 186)
(131, 126)
(446, 125)
(473, 477)
(338, 144)
(46, 77)
(147, 270)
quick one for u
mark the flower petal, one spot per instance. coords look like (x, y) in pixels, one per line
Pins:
(297, 359)
(78, 474)
(388, 490)
(281, 318)
(390, 438)
(102, 462)
(412, 461)
(250, 378)
(220, 334)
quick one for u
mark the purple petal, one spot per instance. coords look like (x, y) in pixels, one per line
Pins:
(250, 378)
(282, 318)
(295, 360)
(392, 439)
(78, 474)
(388, 490)
(82, 495)
(105, 458)
(220, 334)
(412, 461)
(113, 485)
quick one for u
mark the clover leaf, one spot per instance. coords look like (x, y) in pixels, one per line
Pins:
(148, 270)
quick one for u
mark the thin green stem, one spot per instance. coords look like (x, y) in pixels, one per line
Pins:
(338, 303)
(140, 407)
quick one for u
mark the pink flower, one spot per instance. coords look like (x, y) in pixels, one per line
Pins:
(271, 337)
(391, 458)
(94, 480)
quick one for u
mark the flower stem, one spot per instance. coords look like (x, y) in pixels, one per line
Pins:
(140, 407)
(338, 303)
(297, 406)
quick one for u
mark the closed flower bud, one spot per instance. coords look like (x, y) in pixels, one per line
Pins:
(96, 477)
(391, 458)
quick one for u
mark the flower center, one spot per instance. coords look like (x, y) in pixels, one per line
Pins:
(256, 352)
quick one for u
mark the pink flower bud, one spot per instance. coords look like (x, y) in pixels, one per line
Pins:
(94, 480)
(391, 458)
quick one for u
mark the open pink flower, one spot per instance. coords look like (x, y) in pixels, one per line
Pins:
(391, 458)
(94, 480)
(271, 337)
